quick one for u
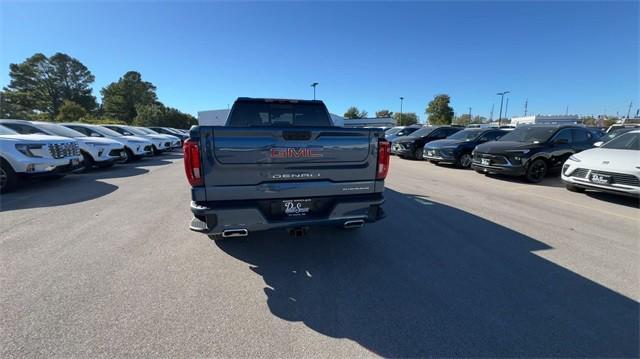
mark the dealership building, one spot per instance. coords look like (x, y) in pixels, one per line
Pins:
(546, 120)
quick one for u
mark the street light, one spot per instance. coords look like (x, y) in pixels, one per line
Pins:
(501, 94)
(314, 89)
(400, 121)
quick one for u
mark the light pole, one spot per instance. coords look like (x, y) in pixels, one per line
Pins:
(400, 120)
(314, 89)
(469, 114)
(501, 94)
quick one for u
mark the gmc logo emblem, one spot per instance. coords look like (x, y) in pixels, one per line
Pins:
(291, 152)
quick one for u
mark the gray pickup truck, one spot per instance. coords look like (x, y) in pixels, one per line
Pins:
(282, 164)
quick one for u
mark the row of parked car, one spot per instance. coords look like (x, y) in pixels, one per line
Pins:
(45, 149)
(587, 158)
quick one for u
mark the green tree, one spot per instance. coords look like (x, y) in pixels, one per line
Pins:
(159, 115)
(353, 113)
(384, 114)
(41, 84)
(408, 118)
(121, 99)
(462, 120)
(71, 112)
(438, 111)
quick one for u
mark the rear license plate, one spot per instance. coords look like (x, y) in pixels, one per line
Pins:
(486, 161)
(600, 179)
(296, 207)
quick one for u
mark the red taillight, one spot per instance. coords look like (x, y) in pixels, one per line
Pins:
(192, 163)
(384, 154)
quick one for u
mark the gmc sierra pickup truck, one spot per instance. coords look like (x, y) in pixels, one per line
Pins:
(282, 164)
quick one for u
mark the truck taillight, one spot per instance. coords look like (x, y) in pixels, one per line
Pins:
(192, 163)
(384, 154)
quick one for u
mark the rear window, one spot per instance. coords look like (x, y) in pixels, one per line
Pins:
(251, 114)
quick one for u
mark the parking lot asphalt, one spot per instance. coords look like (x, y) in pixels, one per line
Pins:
(102, 265)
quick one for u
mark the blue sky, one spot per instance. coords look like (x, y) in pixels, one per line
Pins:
(202, 55)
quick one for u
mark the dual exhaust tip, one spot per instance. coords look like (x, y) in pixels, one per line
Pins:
(242, 232)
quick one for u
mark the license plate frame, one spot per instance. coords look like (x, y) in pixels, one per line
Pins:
(599, 178)
(296, 207)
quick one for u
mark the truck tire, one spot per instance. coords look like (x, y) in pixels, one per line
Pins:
(8, 177)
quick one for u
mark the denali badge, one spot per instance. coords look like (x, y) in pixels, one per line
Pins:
(293, 152)
(294, 175)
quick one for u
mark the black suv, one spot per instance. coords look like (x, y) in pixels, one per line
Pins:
(531, 150)
(457, 148)
(412, 146)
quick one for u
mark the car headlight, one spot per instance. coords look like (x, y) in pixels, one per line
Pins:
(574, 159)
(522, 152)
(31, 150)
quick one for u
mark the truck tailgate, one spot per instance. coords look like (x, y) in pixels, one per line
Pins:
(273, 162)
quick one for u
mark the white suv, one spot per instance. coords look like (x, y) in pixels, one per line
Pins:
(160, 143)
(34, 155)
(175, 140)
(102, 152)
(134, 147)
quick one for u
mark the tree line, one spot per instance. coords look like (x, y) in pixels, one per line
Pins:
(438, 112)
(58, 88)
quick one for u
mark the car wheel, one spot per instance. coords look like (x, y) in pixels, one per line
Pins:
(156, 151)
(536, 171)
(87, 161)
(417, 154)
(464, 161)
(8, 177)
(128, 156)
(573, 188)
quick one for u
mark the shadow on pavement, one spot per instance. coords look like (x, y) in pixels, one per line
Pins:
(552, 180)
(632, 202)
(432, 280)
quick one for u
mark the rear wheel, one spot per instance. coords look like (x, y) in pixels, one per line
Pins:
(8, 177)
(464, 161)
(156, 151)
(573, 188)
(536, 171)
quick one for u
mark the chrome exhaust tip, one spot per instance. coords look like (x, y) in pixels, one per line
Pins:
(235, 233)
(357, 223)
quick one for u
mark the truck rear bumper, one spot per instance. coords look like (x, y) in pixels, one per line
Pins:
(215, 218)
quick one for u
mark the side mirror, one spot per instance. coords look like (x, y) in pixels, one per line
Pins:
(598, 144)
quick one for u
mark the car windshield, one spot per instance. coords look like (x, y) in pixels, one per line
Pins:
(529, 134)
(107, 131)
(7, 131)
(617, 132)
(393, 131)
(422, 132)
(146, 130)
(627, 141)
(466, 135)
(134, 130)
(60, 130)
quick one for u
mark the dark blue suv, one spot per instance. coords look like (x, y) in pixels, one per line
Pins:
(456, 149)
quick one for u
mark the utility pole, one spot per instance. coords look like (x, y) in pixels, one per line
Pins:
(491, 116)
(469, 114)
(629, 110)
(566, 111)
(526, 103)
(314, 89)
(501, 94)
(400, 120)
(506, 108)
